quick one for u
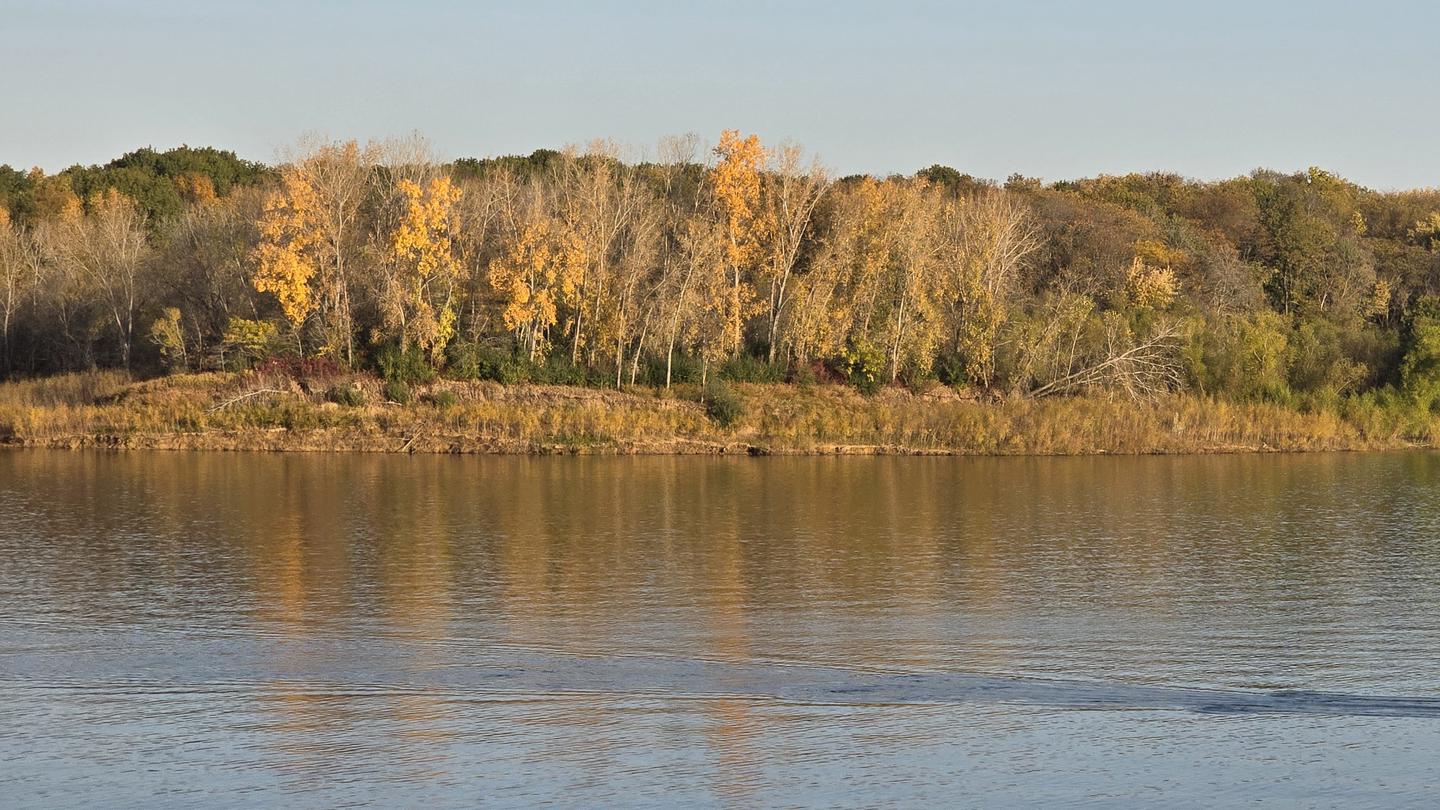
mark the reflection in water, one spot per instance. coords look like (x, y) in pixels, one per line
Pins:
(758, 631)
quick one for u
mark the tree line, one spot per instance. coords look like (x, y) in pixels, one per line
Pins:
(741, 261)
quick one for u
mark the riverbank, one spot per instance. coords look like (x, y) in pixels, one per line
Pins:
(256, 412)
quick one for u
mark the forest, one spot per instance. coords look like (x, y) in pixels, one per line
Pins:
(607, 267)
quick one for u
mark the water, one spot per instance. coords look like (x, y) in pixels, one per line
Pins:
(322, 631)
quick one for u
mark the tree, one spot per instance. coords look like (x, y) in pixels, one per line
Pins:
(735, 184)
(916, 290)
(286, 258)
(991, 236)
(310, 235)
(11, 277)
(16, 274)
(697, 261)
(537, 271)
(612, 213)
(206, 265)
(168, 335)
(108, 249)
(421, 307)
(792, 190)
(1426, 232)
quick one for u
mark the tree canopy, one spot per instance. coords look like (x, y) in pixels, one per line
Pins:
(749, 261)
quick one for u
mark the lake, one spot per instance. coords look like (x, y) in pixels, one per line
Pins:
(329, 630)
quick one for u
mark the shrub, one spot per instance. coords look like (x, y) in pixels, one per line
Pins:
(300, 368)
(347, 394)
(246, 342)
(1420, 368)
(1318, 361)
(804, 376)
(514, 370)
(918, 383)
(747, 368)
(443, 399)
(722, 403)
(683, 369)
(863, 366)
(1244, 355)
(559, 371)
(297, 416)
(169, 337)
(397, 391)
(950, 369)
(407, 365)
(464, 360)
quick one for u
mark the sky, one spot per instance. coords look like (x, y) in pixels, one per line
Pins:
(1054, 90)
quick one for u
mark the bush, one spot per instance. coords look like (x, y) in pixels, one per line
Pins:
(407, 366)
(1420, 368)
(443, 399)
(397, 392)
(246, 342)
(169, 337)
(950, 369)
(464, 360)
(1319, 362)
(804, 376)
(559, 371)
(301, 368)
(722, 403)
(683, 369)
(863, 366)
(514, 371)
(347, 394)
(918, 383)
(747, 368)
(1244, 355)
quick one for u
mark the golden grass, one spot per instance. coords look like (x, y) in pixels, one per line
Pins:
(211, 411)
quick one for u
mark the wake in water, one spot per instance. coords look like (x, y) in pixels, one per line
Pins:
(480, 670)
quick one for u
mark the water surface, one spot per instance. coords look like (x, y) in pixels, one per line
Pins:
(263, 630)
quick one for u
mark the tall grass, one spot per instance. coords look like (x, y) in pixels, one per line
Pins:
(275, 411)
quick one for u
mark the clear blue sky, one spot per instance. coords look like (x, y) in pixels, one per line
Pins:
(1053, 89)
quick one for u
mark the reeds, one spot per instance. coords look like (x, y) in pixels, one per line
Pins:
(252, 411)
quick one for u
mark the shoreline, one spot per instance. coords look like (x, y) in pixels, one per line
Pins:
(307, 443)
(252, 412)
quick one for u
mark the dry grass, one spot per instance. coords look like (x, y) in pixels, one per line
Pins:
(211, 411)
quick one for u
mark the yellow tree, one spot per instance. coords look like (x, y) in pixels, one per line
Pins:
(1427, 231)
(698, 256)
(538, 270)
(421, 308)
(286, 258)
(309, 235)
(835, 298)
(735, 183)
(1148, 286)
(869, 232)
(915, 290)
(55, 199)
(195, 188)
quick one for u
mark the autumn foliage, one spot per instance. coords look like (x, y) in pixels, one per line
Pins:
(741, 261)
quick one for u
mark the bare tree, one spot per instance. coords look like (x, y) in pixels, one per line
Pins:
(13, 266)
(1139, 368)
(108, 249)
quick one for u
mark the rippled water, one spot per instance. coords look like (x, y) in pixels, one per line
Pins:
(245, 630)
